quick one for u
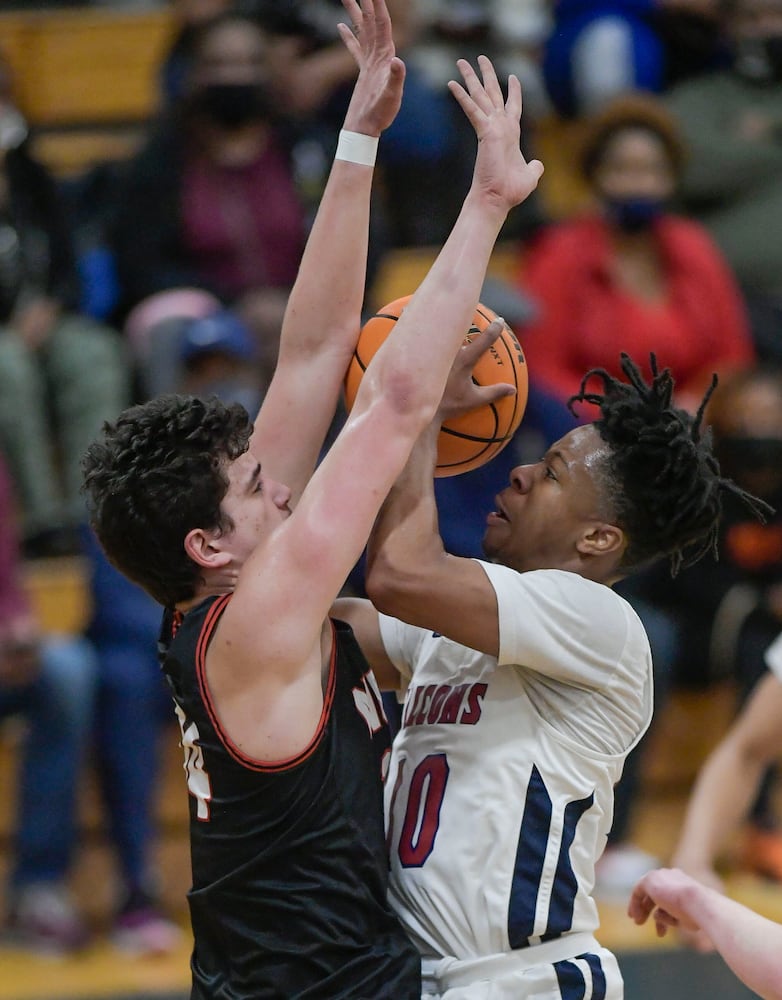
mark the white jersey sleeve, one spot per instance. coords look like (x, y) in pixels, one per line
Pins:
(581, 648)
(402, 643)
(774, 657)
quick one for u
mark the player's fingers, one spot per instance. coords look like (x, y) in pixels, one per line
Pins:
(368, 29)
(536, 168)
(639, 906)
(351, 43)
(491, 84)
(662, 916)
(474, 87)
(486, 394)
(353, 11)
(474, 114)
(514, 103)
(397, 70)
(383, 31)
(478, 343)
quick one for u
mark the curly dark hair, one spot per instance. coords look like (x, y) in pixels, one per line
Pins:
(153, 476)
(662, 478)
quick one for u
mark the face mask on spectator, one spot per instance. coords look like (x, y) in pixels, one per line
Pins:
(634, 215)
(232, 104)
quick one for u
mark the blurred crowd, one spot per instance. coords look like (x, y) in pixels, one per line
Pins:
(169, 272)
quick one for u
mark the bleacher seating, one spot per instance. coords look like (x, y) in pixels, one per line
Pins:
(85, 78)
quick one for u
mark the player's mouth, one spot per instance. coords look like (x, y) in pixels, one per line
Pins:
(497, 515)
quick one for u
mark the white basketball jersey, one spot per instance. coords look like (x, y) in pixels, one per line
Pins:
(500, 792)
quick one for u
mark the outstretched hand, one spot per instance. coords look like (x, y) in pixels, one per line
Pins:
(461, 392)
(501, 175)
(377, 94)
(663, 894)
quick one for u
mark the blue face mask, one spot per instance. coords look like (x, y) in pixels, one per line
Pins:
(634, 215)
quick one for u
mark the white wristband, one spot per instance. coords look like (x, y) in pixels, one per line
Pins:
(357, 148)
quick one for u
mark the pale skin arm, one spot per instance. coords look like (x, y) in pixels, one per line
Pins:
(461, 395)
(277, 617)
(322, 318)
(750, 944)
(728, 782)
(409, 574)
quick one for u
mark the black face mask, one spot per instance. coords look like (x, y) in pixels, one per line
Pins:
(232, 105)
(634, 215)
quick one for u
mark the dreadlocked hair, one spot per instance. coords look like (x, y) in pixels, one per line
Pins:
(663, 480)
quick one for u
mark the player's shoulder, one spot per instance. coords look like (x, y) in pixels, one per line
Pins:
(548, 580)
(558, 594)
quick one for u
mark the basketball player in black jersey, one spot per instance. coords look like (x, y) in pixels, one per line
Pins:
(228, 526)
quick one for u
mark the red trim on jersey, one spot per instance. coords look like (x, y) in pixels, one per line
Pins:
(207, 631)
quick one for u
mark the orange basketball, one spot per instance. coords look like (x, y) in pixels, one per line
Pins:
(474, 438)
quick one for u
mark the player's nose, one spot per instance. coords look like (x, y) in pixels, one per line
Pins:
(521, 477)
(282, 495)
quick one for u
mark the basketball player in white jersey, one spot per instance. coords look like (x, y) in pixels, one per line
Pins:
(529, 681)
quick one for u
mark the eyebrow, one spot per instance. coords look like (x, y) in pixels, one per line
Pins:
(253, 478)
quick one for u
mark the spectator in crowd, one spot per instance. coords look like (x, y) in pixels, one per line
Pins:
(49, 682)
(210, 203)
(133, 709)
(733, 123)
(727, 615)
(219, 359)
(629, 275)
(600, 49)
(311, 78)
(430, 138)
(188, 16)
(53, 361)
(750, 944)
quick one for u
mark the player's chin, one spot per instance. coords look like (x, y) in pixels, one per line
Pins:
(492, 541)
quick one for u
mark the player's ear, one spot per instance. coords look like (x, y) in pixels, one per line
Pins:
(601, 539)
(204, 549)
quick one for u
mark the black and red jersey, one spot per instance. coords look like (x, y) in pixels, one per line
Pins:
(289, 860)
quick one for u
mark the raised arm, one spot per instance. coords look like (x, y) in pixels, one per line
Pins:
(750, 944)
(729, 780)
(409, 574)
(323, 315)
(288, 584)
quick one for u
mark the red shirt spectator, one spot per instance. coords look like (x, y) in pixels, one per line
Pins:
(588, 318)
